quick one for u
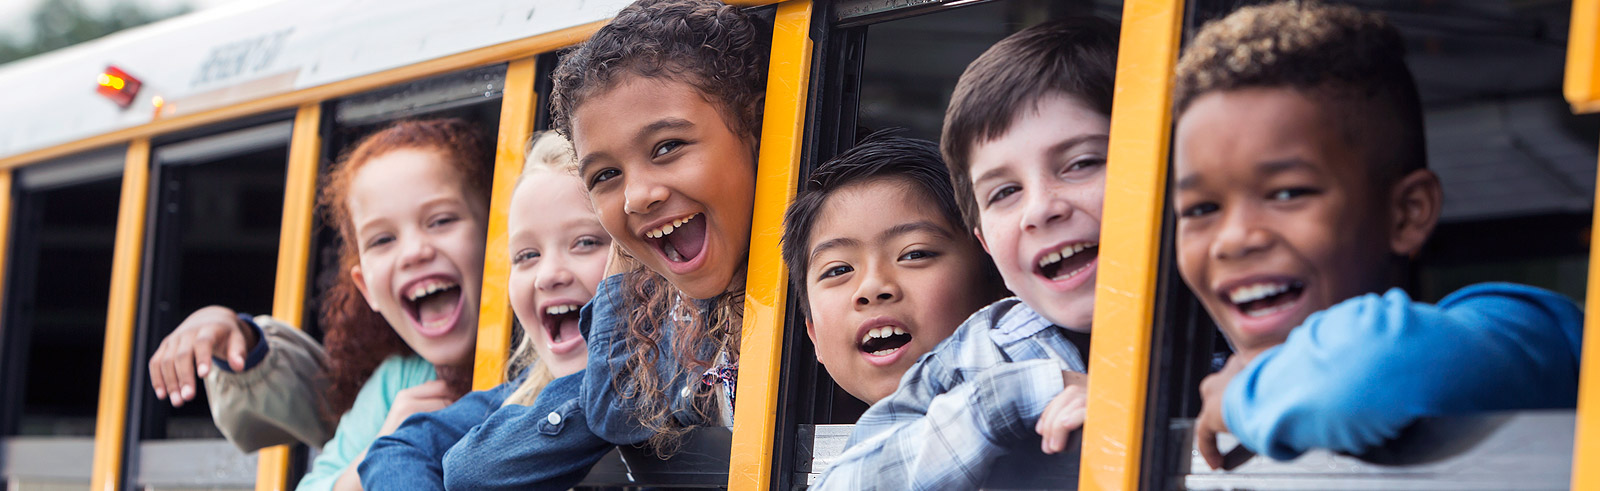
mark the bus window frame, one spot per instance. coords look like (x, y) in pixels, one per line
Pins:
(20, 240)
(160, 244)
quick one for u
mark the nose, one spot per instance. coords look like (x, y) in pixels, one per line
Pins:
(641, 195)
(1045, 206)
(878, 286)
(1241, 235)
(552, 274)
(415, 252)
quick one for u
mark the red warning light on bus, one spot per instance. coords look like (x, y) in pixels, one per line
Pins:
(118, 86)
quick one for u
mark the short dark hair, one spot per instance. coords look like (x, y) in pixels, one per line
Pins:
(879, 156)
(714, 47)
(1332, 53)
(1075, 56)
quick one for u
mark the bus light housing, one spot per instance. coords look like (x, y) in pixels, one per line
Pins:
(118, 86)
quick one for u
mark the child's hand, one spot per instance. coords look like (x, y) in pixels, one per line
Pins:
(186, 353)
(1064, 414)
(1210, 422)
(427, 397)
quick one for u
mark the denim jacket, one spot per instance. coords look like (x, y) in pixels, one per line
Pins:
(611, 413)
(477, 443)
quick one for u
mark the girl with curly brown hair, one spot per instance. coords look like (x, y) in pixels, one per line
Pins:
(663, 107)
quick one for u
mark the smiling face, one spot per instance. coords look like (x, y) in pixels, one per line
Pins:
(673, 184)
(420, 238)
(1277, 217)
(1039, 189)
(558, 257)
(889, 278)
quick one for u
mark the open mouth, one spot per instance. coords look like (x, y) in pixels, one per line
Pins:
(1264, 298)
(433, 303)
(1068, 261)
(680, 241)
(561, 325)
(883, 341)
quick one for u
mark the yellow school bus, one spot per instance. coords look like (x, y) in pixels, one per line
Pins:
(173, 166)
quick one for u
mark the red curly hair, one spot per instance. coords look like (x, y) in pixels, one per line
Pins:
(358, 338)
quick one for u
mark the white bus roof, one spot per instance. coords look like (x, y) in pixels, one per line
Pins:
(252, 49)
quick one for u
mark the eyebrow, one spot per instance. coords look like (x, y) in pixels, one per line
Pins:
(833, 243)
(1059, 147)
(910, 227)
(1268, 168)
(890, 233)
(645, 131)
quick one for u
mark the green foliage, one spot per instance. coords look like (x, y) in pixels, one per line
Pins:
(61, 23)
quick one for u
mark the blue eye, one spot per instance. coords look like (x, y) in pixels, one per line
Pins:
(836, 271)
(523, 256)
(587, 242)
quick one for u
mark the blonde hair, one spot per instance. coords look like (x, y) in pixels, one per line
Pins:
(545, 151)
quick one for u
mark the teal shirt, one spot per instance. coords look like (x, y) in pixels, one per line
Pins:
(359, 426)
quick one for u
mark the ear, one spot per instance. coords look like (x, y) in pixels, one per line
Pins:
(977, 231)
(1414, 210)
(361, 284)
(811, 331)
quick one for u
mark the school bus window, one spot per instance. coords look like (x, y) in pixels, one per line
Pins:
(911, 65)
(472, 95)
(1517, 171)
(63, 228)
(215, 208)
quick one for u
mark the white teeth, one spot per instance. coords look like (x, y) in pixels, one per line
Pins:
(560, 309)
(1065, 252)
(428, 288)
(1256, 291)
(667, 229)
(881, 332)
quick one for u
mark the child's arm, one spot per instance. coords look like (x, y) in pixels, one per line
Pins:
(546, 446)
(609, 414)
(929, 435)
(412, 456)
(275, 395)
(1356, 374)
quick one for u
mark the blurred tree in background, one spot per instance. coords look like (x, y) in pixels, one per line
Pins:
(61, 23)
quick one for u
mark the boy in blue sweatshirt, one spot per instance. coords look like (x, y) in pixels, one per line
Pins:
(1025, 139)
(1302, 194)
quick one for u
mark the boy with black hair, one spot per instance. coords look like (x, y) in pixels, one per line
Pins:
(1025, 138)
(1302, 194)
(879, 289)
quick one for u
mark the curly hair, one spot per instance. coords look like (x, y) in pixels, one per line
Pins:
(1331, 53)
(721, 52)
(359, 339)
(716, 48)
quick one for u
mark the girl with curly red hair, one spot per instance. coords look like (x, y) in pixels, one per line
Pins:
(410, 204)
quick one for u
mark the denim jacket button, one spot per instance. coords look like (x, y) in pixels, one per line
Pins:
(686, 392)
(553, 418)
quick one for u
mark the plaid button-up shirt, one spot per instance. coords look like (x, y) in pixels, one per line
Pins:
(971, 400)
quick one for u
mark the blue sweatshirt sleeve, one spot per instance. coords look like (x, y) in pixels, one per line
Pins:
(546, 446)
(412, 457)
(609, 414)
(1353, 376)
